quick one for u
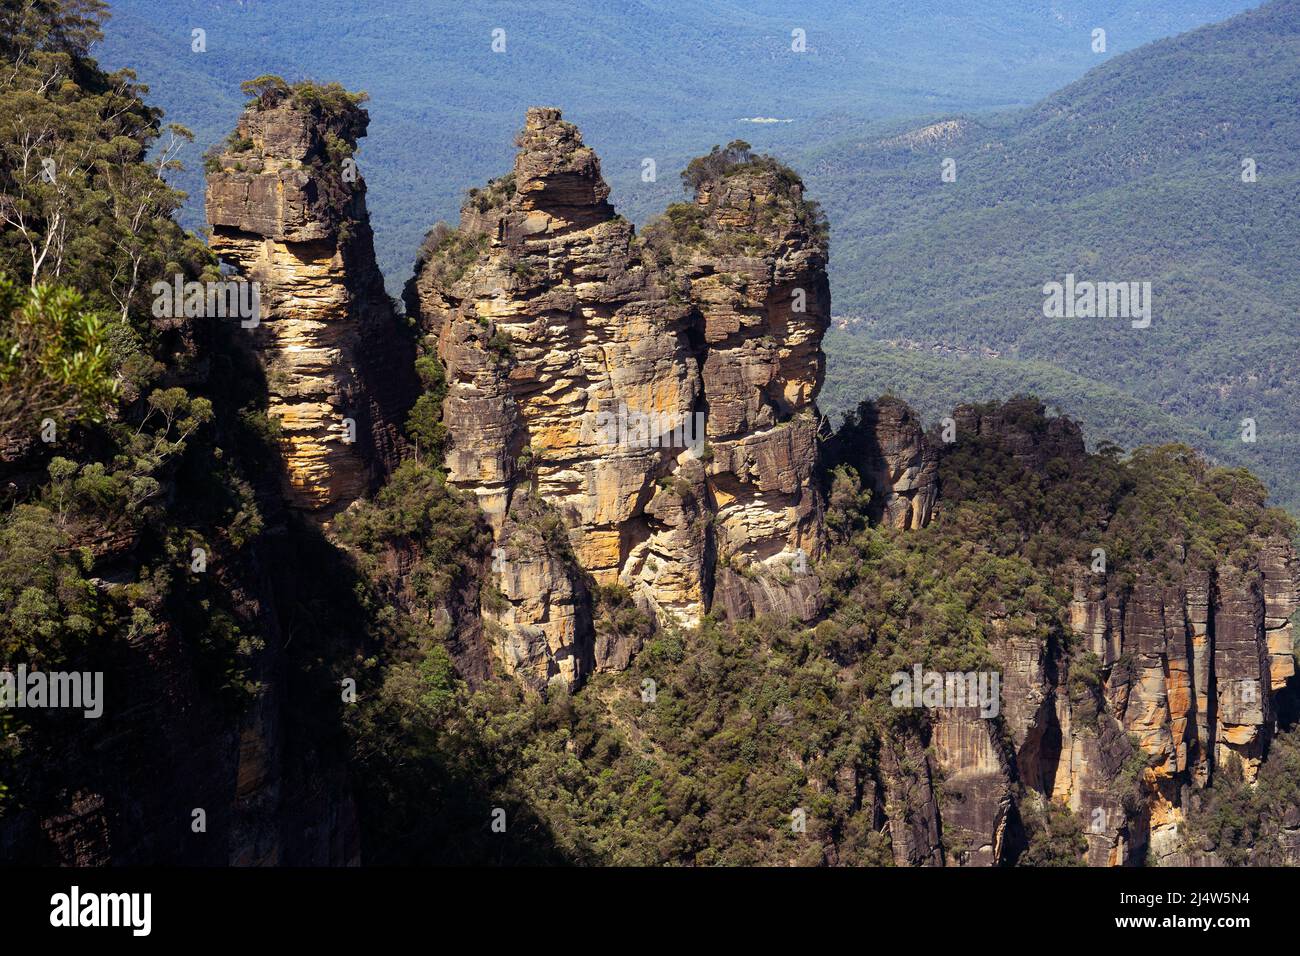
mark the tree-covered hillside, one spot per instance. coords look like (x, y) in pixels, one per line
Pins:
(749, 719)
(1136, 173)
(935, 384)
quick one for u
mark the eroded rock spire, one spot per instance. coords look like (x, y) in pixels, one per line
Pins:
(631, 411)
(287, 207)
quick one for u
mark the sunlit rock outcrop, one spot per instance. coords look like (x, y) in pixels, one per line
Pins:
(655, 394)
(286, 203)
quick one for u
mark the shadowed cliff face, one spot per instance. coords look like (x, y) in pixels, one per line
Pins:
(287, 209)
(1173, 663)
(654, 396)
(883, 442)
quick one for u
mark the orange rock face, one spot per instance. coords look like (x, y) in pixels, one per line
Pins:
(654, 395)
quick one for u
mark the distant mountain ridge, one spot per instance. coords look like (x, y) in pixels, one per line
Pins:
(645, 78)
(1133, 173)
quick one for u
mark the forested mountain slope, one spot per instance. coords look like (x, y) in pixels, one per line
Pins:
(1132, 174)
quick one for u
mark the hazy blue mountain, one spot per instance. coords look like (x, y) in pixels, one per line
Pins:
(643, 78)
(1133, 173)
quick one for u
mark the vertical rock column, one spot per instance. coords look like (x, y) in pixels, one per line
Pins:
(287, 209)
(614, 387)
(759, 281)
(557, 339)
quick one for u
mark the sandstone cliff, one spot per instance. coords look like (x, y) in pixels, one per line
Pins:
(655, 395)
(286, 203)
(636, 418)
(1170, 665)
(883, 441)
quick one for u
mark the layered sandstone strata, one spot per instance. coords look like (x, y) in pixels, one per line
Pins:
(1192, 669)
(1171, 671)
(287, 209)
(655, 397)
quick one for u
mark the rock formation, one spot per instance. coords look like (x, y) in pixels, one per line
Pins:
(636, 417)
(287, 207)
(883, 441)
(654, 395)
(1191, 662)
(1191, 673)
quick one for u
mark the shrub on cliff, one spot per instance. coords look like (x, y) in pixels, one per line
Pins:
(450, 252)
(1055, 836)
(1246, 825)
(333, 99)
(703, 170)
(706, 173)
(416, 514)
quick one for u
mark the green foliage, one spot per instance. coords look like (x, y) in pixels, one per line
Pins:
(617, 617)
(55, 359)
(424, 423)
(47, 607)
(449, 253)
(1160, 511)
(500, 346)
(339, 120)
(1070, 185)
(266, 89)
(495, 195)
(685, 226)
(104, 495)
(934, 384)
(65, 599)
(752, 719)
(417, 509)
(682, 224)
(1244, 825)
(332, 99)
(854, 71)
(418, 751)
(95, 555)
(745, 725)
(1084, 687)
(1055, 837)
(704, 171)
(83, 202)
